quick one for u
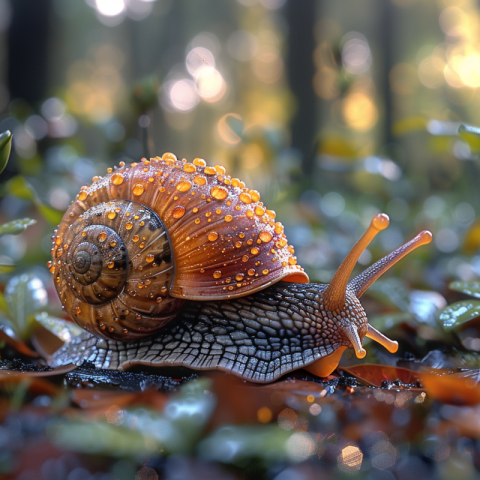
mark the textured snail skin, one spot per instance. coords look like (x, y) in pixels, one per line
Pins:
(259, 337)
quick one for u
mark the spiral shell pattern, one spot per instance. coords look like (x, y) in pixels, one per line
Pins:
(180, 230)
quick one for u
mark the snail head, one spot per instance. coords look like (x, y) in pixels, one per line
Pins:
(341, 298)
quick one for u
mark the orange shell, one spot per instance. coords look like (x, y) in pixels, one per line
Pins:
(225, 245)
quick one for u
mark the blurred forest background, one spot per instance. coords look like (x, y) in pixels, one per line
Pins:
(334, 110)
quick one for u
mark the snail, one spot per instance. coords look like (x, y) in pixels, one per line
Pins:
(174, 263)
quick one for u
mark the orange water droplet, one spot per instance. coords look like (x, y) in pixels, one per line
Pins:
(169, 156)
(245, 198)
(102, 237)
(249, 241)
(129, 226)
(265, 272)
(59, 252)
(245, 258)
(220, 170)
(113, 243)
(111, 215)
(150, 258)
(212, 236)
(199, 162)
(265, 236)
(197, 221)
(210, 171)
(292, 260)
(235, 182)
(291, 249)
(239, 277)
(138, 189)
(84, 234)
(116, 179)
(58, 240)
(259, 211)
(228, 218)
(241, 235)
(250, 214)
(136, 238)
(278, 228)
(178, 212)
(199, 180)
(238, 244)
(52, 269)
(218, 211)
(78, 311)
(220, 193)
(255, 195)
(251, 272)
(254, 251)
(195, 210)
(82, 196)
(271, 213)
(217, 274)
(110, 264)
(189, 168)
(184, 186)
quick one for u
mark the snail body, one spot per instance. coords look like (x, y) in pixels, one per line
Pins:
(167, 263)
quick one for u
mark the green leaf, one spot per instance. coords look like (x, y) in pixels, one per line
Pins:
(7, 267)
(50, 214)
(469, 288)
(5, 148)
(19, 187)
(471, 135)
(25, 295)
(63, 329)
(457, 315)
(16, 226)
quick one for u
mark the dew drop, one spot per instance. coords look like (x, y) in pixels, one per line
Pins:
(129, 226)
(255, 195)
(251, 272)
(199, 162)
(111, 215)
(136, 238)
(250, 214)
(265, 272)
(169, 156)
(138, 189)
(110, 264)
(189, 168)
(239, 277)
(219, 193)
(235, 182)
(199, 180)
(292, 260)
(228, 218)
(113, 243)
(212, 236)
(178, 212)
(220, 170)
(150, 258)
(217, 274)
(117, 179)
(78, 311)
(82, 196)
(210, 171)
(265, 236)
(278, 228)
(254, 251)
(184, 186)
(238, 244)
(245, 258)
(102, 237)
(259, 211)
(245, 198)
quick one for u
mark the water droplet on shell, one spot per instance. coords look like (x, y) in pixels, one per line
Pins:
(117, 179)
(138, 189)
(178, 212)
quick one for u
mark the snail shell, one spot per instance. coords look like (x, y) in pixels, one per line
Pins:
(137, 242)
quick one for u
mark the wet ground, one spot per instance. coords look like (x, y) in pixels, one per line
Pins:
(374, 422)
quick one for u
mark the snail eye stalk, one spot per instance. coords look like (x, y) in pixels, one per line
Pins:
(361, 282)
(334, 296)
